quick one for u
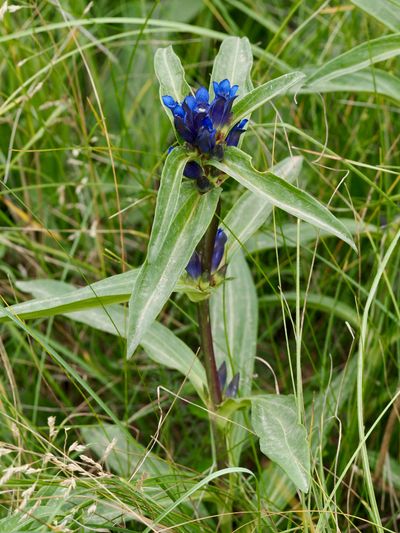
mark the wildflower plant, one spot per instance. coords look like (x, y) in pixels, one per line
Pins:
(190, 242)
(195, 249)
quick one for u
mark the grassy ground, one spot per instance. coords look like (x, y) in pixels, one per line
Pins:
(82, 140)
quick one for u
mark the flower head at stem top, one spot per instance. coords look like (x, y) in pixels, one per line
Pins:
(194, 268)
(204, 125)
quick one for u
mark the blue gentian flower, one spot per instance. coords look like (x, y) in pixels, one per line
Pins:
(233, 387)
(192, 170)
(220, 109)
(232, 139)
(219, 248)
(194, 266)
(222, 373)
(204, 125)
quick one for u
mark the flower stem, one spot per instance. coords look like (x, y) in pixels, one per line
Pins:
(206, 249)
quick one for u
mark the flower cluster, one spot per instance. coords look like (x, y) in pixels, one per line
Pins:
(205, 126)
(194, 268)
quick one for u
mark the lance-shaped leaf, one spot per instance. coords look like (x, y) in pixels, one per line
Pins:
(171, 76)
(233, 62)
(167, 198)
(357, 58)
(234, 314)
(282, 438)
(114, 289)
(160, 343)
(386, 11)
(263, 93)
(238, 165)
(251, 211)
(157, 279)
(286, 235)
(234, 321)
(375, 81)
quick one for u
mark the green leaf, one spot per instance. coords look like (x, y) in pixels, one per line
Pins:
(321, 415)
(386, 11)
(357, 58)
(167, 198)
(234, 318)
(157, 279)
(262, 94)
(115, 289)
(160, 343)
(165, 348)
(286, 236)
(375, 81)
(234, 321)
(238, 165)
(233, 61)
(171, 76)
(251, 211)
(282, 438)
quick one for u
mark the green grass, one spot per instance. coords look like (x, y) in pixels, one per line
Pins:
(83, 138)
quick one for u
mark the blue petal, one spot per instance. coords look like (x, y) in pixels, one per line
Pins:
(219, 248)
(220, 111)
(194, 266)
(169, 102)
(202, 96)
(232, 139)
(233, 91)
(190, 101)
(178, 111)
(233, 387)
(224, 87)
(222, 373)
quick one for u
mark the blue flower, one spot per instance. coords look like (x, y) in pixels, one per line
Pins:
(219, 248)
(232, 139)
(194, 266)
(192, 170)
(220, 109)
(203, 125)
(233, 387)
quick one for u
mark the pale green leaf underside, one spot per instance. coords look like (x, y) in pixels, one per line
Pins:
(167, 198)
(264, 93)
(251, 210)
(158, 277)
(282, 438)
(238, 165)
